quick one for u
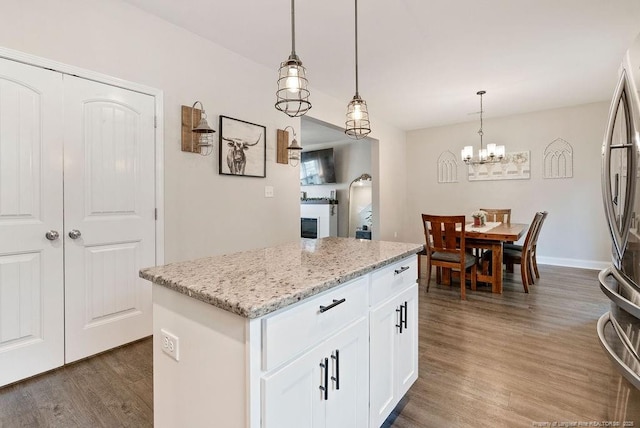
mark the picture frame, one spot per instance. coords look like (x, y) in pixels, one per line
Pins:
(243, 148)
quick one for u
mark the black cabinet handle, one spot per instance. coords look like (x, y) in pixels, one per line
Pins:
(336, 378)
(400, 324)
(404, 320)
(402, 269)
(325, 388)
(333, 305)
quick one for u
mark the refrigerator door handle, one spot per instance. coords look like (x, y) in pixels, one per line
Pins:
(616, 297)
(624, 369)
(619, 227)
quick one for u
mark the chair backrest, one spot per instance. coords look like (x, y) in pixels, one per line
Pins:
(444, 233)
(532, 234)
(503, 215)
(537, 231)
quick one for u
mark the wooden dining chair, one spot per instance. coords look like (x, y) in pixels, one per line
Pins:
(445, 247)
(503, 215)
(533, 259)
(511, 256)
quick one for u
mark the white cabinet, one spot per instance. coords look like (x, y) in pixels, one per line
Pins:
(337, 359)
(393, 335)
(325, 387)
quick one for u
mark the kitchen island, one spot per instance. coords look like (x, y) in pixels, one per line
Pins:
(312, 333)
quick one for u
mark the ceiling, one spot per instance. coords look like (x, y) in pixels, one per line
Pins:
(421, 62)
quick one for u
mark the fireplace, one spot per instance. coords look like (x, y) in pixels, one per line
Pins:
(309, 227)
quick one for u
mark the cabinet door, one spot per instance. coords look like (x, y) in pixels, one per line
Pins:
(292, 397)
(31, 274)
(347, 406)
(407, 342)
(109, 197)
(382, 336)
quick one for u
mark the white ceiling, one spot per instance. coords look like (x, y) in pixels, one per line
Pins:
(422, 61)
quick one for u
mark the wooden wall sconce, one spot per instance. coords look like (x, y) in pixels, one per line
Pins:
(282, 154)
(287, 153)
(197, 135)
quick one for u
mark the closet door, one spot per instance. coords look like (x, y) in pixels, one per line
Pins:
(109, 215)
(31, 275)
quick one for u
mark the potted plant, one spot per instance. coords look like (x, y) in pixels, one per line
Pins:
(479, 217)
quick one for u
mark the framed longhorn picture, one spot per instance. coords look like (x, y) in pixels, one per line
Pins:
(242, 148)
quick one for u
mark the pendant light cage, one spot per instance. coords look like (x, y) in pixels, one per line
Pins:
(357, 124)
(293, 92)
(292, 97)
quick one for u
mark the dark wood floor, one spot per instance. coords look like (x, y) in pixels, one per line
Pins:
(511, 360)
(113, 389)
(492, 361)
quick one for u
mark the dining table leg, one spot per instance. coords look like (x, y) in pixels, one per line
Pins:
(496, 252)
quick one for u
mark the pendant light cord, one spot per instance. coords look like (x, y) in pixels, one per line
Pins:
(293, 28)
(356, 27)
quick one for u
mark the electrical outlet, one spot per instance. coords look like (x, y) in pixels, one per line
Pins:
(170, 344)
(268, 191)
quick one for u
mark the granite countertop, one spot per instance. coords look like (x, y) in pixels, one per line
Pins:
(256, 282)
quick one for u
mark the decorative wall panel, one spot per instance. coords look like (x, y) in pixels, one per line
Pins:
(558, 159)
(447, 168)
(514, 166)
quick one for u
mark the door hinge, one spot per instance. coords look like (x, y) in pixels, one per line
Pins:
(156, 213)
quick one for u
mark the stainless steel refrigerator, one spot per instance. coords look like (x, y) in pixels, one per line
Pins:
(619, 329)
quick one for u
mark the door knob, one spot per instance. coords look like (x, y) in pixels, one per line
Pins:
(52, 235)
(75, 234)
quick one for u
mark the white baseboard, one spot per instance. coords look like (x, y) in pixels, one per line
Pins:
(585, 264)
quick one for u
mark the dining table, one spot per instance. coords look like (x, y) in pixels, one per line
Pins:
(491, 236)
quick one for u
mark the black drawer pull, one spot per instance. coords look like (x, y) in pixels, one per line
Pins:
(402, 269)
(336, 378)
(405, 315)
(333, 305)
(401, 324)
(325, 388)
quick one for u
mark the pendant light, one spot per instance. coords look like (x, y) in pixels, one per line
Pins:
(492, 154)
(357, 124)
(292, 96)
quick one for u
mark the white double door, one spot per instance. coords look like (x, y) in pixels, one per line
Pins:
(77, 218)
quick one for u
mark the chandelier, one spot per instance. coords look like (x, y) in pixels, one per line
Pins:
(492, 154)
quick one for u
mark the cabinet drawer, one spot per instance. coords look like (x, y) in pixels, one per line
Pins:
(392, 279)
(297, 328)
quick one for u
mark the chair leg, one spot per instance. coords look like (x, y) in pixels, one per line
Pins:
(474, 273)
(535, 265)
(463, 285)
(523, 273)
(509, 267)
(531, 271)
(428, 275)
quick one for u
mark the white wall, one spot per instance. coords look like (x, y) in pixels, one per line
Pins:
(205, 213)
(352, 159)
(575, 232)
